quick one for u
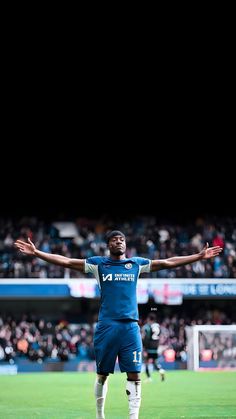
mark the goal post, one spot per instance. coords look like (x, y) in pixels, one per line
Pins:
(211, 347)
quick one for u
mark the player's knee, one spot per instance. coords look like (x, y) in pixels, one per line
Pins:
(102, 378)
(133, 376)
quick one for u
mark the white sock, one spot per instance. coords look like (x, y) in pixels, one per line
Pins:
(133, 391)
(100, 391)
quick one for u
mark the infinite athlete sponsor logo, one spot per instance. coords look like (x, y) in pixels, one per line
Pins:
(107, 277)
(118, 277)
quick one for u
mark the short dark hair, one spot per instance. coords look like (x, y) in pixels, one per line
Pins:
(152, 317)
(113, 233)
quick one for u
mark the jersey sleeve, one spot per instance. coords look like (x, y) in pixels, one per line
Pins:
(91, 265)
(144, 264)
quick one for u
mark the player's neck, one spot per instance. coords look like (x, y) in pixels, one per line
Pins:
(117, 257)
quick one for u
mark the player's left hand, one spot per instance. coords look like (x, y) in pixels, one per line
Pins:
(210, 252)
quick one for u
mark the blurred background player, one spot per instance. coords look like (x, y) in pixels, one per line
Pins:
(150, 336)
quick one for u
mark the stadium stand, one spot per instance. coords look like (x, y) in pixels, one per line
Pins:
(58, 334)
(146, 237)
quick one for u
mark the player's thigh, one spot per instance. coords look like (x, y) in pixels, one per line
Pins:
(130, 353)
(105, 347)
(151, 357)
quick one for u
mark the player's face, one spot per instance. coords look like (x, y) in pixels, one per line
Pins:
(117, 245)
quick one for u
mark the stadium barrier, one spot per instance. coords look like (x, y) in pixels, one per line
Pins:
(163, 291)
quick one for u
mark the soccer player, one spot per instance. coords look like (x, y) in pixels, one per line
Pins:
(150, 335)
(117, 332)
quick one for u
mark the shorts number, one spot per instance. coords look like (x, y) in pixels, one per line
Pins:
(135, 356)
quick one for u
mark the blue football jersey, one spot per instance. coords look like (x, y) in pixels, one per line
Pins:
(117, 280)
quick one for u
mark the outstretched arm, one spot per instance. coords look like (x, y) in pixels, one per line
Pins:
(206, 253)
(30, 249)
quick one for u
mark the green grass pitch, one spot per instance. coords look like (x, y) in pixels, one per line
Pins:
(184, 394)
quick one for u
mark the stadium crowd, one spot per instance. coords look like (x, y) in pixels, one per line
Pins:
(39, 339)
(146, 237)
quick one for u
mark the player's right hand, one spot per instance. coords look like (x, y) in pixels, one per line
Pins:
(27, 248)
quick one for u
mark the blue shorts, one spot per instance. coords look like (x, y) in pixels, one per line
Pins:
(122, 339)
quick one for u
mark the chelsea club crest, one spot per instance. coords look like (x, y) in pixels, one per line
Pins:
(128, 265)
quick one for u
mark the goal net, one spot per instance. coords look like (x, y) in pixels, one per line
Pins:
(211, 347)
